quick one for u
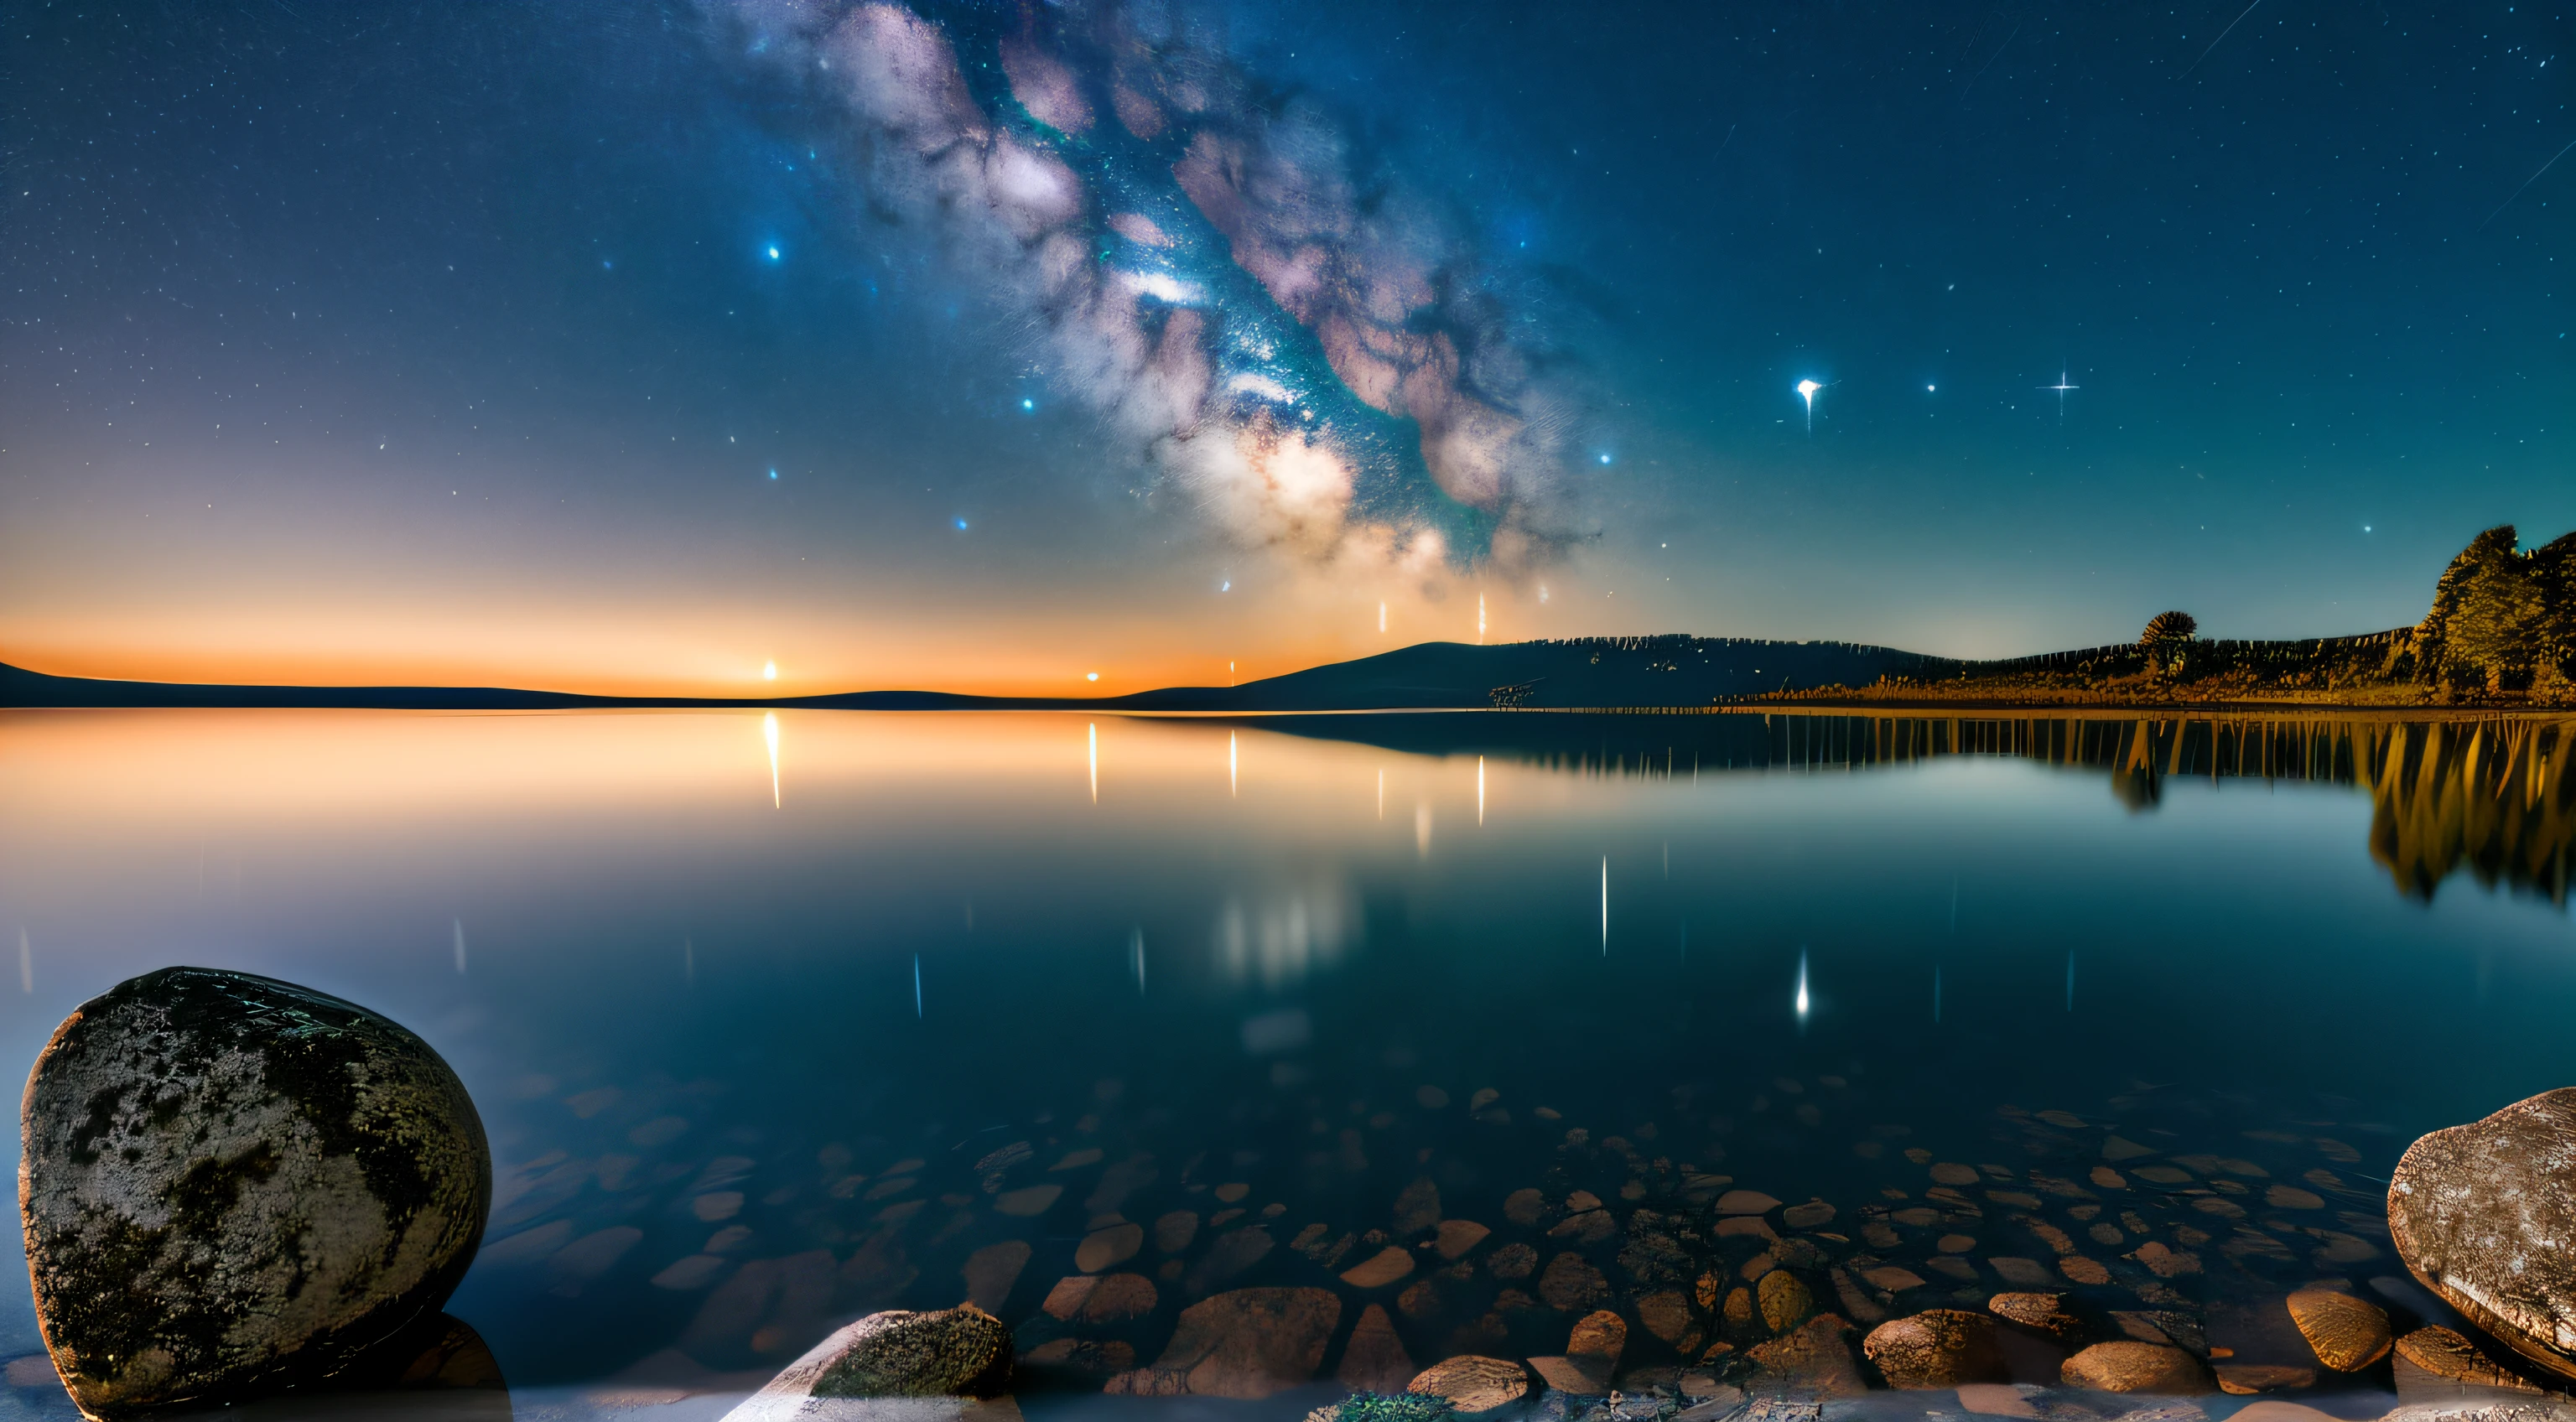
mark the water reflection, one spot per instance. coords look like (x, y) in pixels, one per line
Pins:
(1187, 1007)
(2493, 795)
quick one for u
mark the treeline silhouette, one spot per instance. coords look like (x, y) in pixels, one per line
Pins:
(2501, 631)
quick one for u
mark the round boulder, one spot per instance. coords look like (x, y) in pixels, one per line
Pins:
(2482, 1212)
(1941, 1347)
(233, 1185)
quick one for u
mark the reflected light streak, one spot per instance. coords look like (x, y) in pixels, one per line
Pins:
(1605, 906)
(1480, 792)
(1233, 762)
(1136, 957)
(916, 987)
(460, 947)
(1095, 763)
(769, 733)
(1803, 1001)
(1421, 830)
(1381, 804)
(27, 960)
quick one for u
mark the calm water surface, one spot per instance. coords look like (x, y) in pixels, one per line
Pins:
(777, 1021)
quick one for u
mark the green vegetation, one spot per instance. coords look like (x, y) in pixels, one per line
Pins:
(2501, 631)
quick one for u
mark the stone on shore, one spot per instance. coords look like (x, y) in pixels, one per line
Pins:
(1249, 1343)
(1473, 1384)
(233, 1185)
(2482, 1213)
(899, 1365)
(2346, 1333)
(1936, 1348)
(2137, 1367)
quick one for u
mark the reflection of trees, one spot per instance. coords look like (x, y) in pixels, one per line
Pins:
(2494, 796)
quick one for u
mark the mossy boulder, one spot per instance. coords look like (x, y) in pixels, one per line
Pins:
(233, 1186)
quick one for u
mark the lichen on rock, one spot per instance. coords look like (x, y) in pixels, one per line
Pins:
(232, 1185)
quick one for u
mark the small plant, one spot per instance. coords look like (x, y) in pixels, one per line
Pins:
(1367, 1406)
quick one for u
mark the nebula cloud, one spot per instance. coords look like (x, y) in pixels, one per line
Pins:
(1300, 342)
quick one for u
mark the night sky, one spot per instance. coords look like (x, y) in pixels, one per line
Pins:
(626, 346)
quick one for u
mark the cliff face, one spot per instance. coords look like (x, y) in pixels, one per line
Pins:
(2503, 619)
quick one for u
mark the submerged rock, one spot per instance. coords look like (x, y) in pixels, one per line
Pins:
(2137, 1367)
(1940, 1347)
(2447, 1354)
(1249, 1343)
(1812, 1362)
(2346, 1333)
(1374, 1360)
(2042, 1313)
(233, 1185)
(2482, 1214)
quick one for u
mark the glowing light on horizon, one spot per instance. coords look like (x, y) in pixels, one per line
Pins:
(769, 671)
(1807, 391)
(1381, 617)
(1095, 764)
(1091, 676)
(769, 733)
(1480, 619)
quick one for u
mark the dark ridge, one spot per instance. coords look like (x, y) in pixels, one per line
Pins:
(1590, 673)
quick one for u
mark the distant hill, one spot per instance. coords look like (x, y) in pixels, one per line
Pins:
(1580, 673)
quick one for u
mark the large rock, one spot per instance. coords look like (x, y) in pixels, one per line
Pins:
(232, 1185)
(2483, 1214)
(2131, 1366)
(1249, 1343)
(1937, 1348)
(896, 1366)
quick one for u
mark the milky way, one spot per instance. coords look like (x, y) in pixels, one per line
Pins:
(1300, 343)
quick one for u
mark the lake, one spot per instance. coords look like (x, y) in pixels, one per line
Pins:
(778, 1019)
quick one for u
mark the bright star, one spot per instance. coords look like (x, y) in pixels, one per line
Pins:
(773, 254)
(1226, 586)
(2061, 387)
(773, 473)
(1605, 459)
(1028, 404)
(1927, 389)
(961, 525)
(1807, 391)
